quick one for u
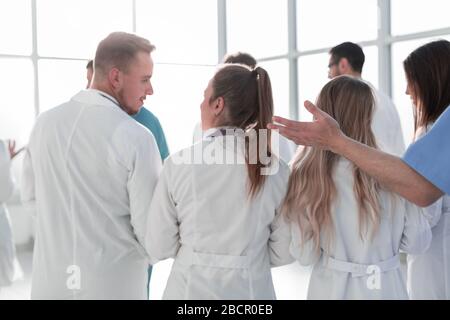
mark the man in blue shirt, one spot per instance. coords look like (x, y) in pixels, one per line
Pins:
(151, 122)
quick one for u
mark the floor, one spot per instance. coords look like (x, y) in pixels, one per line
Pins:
(20, 289)
(283, 278)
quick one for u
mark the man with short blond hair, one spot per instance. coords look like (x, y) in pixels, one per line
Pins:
(91, 169)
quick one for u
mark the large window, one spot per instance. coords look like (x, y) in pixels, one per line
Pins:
(322, 24)
(15, 27)
(177, 98)
(180, 35)
(73, 28)
(45, 44)
(47, 67)
(419, 15)
(53, 74)
(325, 23)
(279, 78)
(16, 104)
(257, 26)
(290, 38)
(185, 56)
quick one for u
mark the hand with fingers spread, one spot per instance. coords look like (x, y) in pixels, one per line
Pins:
(322, 132)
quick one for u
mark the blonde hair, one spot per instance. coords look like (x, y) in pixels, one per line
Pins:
(311, 190)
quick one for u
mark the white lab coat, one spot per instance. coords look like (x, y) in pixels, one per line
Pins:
(282, 147)
(223, 243)
(386, 125)
(92, 170)
(429, 273)
(344, 272)
(7, 249)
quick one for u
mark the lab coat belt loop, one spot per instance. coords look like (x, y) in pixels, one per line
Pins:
(361, 270)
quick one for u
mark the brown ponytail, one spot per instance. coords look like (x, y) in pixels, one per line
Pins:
(248, 104)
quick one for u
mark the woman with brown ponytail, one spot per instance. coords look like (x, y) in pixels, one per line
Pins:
(427, 71)
(343, 221)
(215, 208)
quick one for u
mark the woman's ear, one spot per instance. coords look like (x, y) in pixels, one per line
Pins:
(218, 106)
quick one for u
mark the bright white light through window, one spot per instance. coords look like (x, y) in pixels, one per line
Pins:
(279, 77)
(258, 27)
(59, 81)
(418, 15)
(178, 93)
(182, 31)
(73, 28)
(325, 23)
(15, 26)
(17, 109)
(312, 76)
(370, 68)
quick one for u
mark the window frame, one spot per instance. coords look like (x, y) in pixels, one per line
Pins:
(383, 42)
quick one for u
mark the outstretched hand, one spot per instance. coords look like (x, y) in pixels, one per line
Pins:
(12, 149)
(322, 132)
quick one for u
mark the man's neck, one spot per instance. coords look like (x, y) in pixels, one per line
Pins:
(104, 88)
(354, 74)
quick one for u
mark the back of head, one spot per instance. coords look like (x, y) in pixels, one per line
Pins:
(350, 102)
(118, 50)
(311, 189)
(247, 96)
(352, 52)
(241, 58)
(428, 72)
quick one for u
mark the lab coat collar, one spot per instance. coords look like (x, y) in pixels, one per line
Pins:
(96, 97)
(220, 131)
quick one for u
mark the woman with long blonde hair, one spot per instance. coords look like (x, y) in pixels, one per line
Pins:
(343, 221)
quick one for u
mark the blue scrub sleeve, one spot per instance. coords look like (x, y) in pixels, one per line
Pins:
(430, 155)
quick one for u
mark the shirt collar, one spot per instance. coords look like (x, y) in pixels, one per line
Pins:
(220, 131)
(107, 96)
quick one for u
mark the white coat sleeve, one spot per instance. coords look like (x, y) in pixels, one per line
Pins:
(142, 182)
(416, 237)
(279, 241)
(27, 182)
(305, 253)
(6, 179)
(163, 240)
(433, 212)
